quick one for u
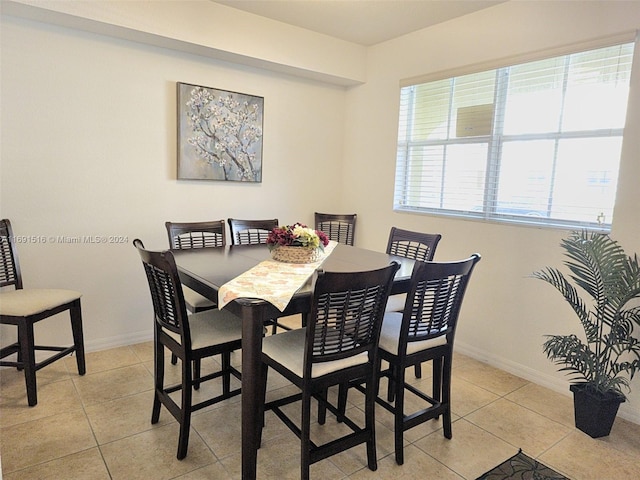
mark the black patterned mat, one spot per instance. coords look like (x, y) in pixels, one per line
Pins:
(521, 467)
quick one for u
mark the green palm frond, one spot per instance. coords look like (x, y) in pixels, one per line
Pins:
(631, 315)
(595, 261)
(630, 280)
(616, 384)
(573, 354)
(627, 367)
(628, 348)
(555, 278)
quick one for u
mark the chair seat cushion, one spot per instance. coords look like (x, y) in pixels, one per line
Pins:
(196, 301)
(390, 336)
(31, 301)
(212, 327)
(396, 302)
(288, 350)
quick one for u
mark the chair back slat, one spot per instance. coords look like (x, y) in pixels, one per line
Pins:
(166, 291)
(346, 313)
(10, 267)
(189, 235)
(251, 232)
(337, 227)
(198, 240)
(414, 245)
(434, 300)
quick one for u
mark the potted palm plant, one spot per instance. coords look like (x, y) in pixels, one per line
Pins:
(602, 363)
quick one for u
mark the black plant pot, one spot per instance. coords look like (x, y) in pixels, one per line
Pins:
(595, 412)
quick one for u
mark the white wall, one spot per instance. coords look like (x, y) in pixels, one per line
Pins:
(506, 313)
(88, 148)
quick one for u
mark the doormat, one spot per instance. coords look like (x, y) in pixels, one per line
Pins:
(522, 467)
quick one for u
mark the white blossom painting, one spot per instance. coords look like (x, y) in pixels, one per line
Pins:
(219, 134)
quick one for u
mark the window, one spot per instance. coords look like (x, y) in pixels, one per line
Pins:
(535, 143)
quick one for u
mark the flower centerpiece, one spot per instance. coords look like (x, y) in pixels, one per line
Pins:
(296, 243)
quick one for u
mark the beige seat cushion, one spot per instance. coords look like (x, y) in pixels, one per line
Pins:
(194, 300)
(212, 327)
(30, 301)
(396, 302)
(390, 336)
(288, 349)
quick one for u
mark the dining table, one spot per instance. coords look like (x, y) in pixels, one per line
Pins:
(207, 270)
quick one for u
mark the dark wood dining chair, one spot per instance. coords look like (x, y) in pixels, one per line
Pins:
(24, 307)
(190, 337)
(250, 232)
(338, 227)
(194, 235)
(424, 331)
(185, 235)
(338, 344)
(190, 235)
(416, 246)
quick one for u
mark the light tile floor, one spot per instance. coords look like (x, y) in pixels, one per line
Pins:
(98, 427)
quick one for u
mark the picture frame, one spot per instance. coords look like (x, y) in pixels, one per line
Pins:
(219, 134)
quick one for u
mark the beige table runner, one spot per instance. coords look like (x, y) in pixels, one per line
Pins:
(270, 280)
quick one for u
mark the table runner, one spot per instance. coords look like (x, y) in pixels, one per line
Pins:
(270, 280)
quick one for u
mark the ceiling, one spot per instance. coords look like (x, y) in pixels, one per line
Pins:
(365, 22)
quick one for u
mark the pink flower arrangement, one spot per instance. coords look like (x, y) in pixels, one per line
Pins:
(297, 235)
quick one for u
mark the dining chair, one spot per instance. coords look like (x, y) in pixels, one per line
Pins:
(24, 307)
(190, 337)
(338, 227)
(339, 343)
(250, 232)
(416, 246)
(424, 331)
(193, 235)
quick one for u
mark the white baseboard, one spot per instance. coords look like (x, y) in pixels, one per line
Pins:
(118, 341)
(628, 411)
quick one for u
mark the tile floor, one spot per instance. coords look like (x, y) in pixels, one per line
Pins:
(98, 427)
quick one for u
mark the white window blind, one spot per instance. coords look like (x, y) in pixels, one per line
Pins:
(537, 142)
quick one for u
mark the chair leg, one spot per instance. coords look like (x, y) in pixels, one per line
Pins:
(391, 387)
(305, 436)
(343, 392)
(19, 356)
(446, 397)
(418, 370)
(78, 338)
(226, 373)
(158, 380)
(174, 359)
(28, 358)
(437, 379)
(399, 413)
(185, 410)
(322, 409)
(262, 391)
(370, 421)
(196, 373)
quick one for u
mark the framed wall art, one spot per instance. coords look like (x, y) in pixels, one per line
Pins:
(219, 134)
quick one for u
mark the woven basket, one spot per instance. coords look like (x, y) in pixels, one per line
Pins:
(288, 254)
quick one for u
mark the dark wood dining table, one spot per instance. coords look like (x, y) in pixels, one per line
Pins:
(206, 270)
